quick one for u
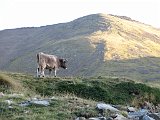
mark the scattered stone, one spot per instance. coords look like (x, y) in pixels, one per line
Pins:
(54, 98)
(40, 102)
(149, 111)
(102, 118)
(26, 111)
(10, 107)
(80, 118)
(110, 118)
(9, 102)
(146, 117)
(94, 119)
(35, 101)
(131, 109)
(99, 118)
(103, 106)
(156, 116)
(25, 103)
(120, 117)
(113, 116)
(137, 114)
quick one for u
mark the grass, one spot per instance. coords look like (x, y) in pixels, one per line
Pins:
(7, 83)
(72, 97)
(107, 89)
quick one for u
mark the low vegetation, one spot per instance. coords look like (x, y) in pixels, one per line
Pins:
(8, 83)
(70, 96)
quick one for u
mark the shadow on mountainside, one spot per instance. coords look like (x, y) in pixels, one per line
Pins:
(95, 60)
(93, 64)
(145, 68)
(84, 60)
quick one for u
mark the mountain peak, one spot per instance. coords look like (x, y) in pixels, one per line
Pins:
(91, 23)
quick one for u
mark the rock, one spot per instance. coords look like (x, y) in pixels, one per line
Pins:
(99, 118)
(10, 107)
(93, 119)
(113, 116)
(26, 111)
(9, 102)
(102, 118)
(155, 116)
(120, 107)
(25, 103)
(80, 118)
(120, 117)
(35, 101)
(138, 114)
(40, 102)
(103, 106)
(34, 98)
(110, 118)
(131, 109)
(146, 117)
(130, 113)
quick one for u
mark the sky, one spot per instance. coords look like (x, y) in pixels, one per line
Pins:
(35, 13)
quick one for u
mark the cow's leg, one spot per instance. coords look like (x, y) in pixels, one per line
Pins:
(41, 71)
(55, 72)
(43, 75)
(38, 75)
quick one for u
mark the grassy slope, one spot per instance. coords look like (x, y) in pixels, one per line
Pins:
(71, 96)
(131, 49)
(128, 39)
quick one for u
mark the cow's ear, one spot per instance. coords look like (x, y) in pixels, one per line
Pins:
(66, 60)
(61, 60)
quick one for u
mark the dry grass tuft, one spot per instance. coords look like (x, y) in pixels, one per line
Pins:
(7, 83)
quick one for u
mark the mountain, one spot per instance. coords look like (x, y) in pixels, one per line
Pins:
(95, 45)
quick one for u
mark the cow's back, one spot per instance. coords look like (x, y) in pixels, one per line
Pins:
(47, 60)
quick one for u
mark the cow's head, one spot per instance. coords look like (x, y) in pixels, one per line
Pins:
(63, 63)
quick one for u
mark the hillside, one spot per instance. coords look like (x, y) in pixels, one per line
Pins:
(24, 97)
(95, 45)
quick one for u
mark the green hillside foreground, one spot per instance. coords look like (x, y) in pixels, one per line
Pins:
(71, 96)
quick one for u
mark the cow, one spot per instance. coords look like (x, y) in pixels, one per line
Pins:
(51, 62)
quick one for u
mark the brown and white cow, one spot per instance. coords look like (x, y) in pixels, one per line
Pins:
(51, 62)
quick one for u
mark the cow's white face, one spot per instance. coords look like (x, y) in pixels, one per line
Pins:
(63, 63)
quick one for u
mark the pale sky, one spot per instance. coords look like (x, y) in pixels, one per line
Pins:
(35, 13)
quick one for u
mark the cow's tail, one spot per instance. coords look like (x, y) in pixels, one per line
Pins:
(38, 60)
(38, 57)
